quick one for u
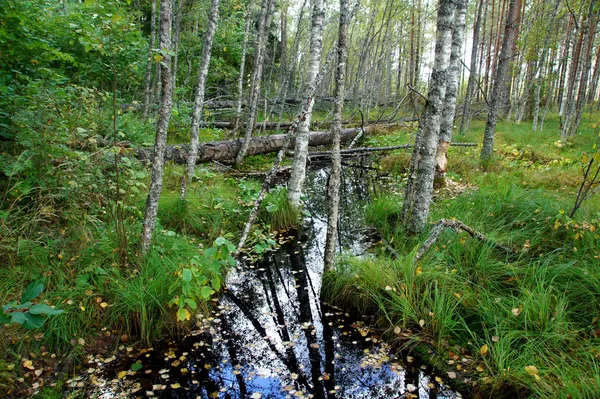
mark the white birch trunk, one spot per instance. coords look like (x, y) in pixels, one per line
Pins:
(148, 78)
(199, 100)
(336, 161)
(419, 189)
(158, 158)
(240, 83)
(265, 9)
(298, 174)
(495, 100)
(449, 110)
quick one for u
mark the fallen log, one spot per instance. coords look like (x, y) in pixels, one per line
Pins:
(227, 149)
(457, 226)
(288, 125)
(366, 150)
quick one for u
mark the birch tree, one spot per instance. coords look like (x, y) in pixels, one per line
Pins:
(495, 99)
(199, 99)
(336, 162)
(449, 110)
(261, 40)
(158, 157)
(240, 82)
(298, 174)
(149, 61)
(419, 189)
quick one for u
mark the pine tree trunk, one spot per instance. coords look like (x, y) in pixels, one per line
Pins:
(261, 40)
(449, 107)
(158, 161)
(199, 100)
(301, 149)
(336, 162)
(419, 189)
(149, 61)
(466, 117)
(240, 83)
(499, 82)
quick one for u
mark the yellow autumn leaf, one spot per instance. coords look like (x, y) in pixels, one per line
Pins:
(104, 305)
(122, 374)
(532, 370)
(484, 349)
(28, 364)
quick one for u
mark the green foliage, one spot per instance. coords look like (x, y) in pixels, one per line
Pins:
(24, 312)
(202, 278)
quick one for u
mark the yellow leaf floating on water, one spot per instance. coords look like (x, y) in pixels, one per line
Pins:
(256, 395)
(484, 349)
(122, 374)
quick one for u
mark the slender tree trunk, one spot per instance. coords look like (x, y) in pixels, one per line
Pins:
(298, 173)
(175, 46)
(539, 79)
(158, 161)
(240, 83)
(149, 62)
(336, 162)
(595, 77)
(466, 117)
(586, 66)
(449, 106)
(283, 55)
(499, 82)
(261, 40)
(419, 189)
(563, 64)
(199, 100)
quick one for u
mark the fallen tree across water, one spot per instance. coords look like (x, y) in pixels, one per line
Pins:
(227, 149)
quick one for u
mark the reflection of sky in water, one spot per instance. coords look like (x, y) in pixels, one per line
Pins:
(271, 335)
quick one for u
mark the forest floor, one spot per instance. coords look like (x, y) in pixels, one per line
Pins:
(519, 325)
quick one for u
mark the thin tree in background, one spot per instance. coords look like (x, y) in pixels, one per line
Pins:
(261, 40)
(149, 61)
(473, 76)
(298, 173)
(495, 99)
(449, 111)
(419, 188)
(199, 99)
(336, 127)
(240, 82)
(158, 157)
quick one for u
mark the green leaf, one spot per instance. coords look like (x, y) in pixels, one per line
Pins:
(183, 314)
(42, 308)
(17, 317)
(4, 319)
(136, 366)
(191, 303)
(220, 241)
(33, 321)
(206, 292)
(272, 208)
(186, 275)
(32, 291)
(216, 283)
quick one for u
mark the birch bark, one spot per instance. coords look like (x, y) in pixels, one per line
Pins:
(265, 9)
(158, 158)
(298, 173)
(419, 189)
(240, 83)
(148, 77)
(199, 99)
(336, 162)
(449, 110)
(499, 82)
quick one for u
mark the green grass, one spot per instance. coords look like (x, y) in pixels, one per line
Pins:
(539, 308)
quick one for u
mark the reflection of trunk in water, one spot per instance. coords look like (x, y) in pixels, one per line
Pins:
(233, 357)
(302, 286)
(289, 363)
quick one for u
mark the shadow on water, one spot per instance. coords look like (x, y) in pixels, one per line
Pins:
(271, 337)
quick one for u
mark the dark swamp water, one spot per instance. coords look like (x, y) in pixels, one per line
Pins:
(270, 336)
